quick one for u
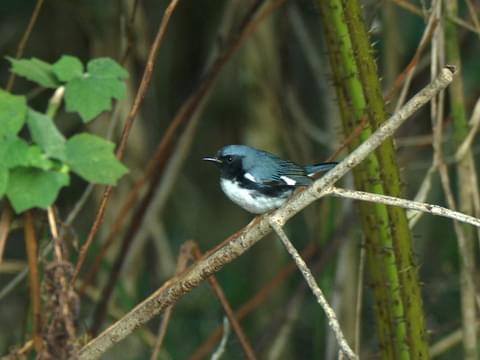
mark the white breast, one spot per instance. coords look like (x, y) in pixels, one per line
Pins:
(250, 200)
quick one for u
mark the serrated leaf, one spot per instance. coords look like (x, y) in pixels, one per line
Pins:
(13, 110)
(107, 68)
(67, 68)
(31, 187)
(19, 153)
(92, 93)
(93, 159)
(46, 135)
(35, 70)
(91, 96)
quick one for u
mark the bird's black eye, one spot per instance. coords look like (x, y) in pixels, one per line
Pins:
(229, 159)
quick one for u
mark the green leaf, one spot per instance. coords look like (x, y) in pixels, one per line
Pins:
(13, 110)
(92, 93)
(88, 96)
(31, 187)
(67, 68)
(36, 158)
(46, 135)
(19, 153)
(92, 158)
(107, 68)
(5, 142)
(35, 70)
(3, 180)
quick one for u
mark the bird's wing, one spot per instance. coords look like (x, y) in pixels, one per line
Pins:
(280, 173)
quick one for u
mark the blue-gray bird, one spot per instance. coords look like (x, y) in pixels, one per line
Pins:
(259, 181)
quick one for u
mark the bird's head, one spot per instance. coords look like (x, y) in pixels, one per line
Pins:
(230, 159)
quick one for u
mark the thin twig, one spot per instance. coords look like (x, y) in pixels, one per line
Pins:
(414, 140)
(5, 221)
(255, 301)
(223, 343)
(182, 261)
(449, 341)
(421, 196)
(473, 14)
(129, 27)
(8, 288)
(162, 331)
(31, 245)
(467, 179)
(20, 353)
(63, 295)
(147, 75)
(241, 241)
(246, 347)
(24, 40)
(407, 75)
(358, 305)
(157, 194)
(475, 125)
(407, 204)
(53, 229)
(406, 5)
(436, 109)
(7, 211)
(310, 279)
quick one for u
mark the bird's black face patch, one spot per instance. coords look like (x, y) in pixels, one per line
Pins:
(230, 166)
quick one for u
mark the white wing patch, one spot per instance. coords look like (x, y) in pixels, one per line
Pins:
(287, 180)
(250, 177)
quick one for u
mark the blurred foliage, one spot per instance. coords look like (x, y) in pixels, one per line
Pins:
(275, 93)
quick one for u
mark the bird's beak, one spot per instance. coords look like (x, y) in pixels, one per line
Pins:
(212, 159)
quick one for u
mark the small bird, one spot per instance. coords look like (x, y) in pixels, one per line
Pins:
(259, 181)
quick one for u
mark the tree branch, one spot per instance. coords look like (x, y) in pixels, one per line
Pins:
(407, 204)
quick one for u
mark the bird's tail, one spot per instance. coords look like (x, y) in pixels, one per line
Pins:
(316, 168)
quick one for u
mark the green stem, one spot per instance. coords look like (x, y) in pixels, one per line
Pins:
(392, 273)
(466, 172)
(390, 174)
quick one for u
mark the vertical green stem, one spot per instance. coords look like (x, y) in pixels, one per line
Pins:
(466, 172)
(392, 273)
(390, 174)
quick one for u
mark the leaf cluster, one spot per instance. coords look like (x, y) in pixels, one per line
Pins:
(35, 167)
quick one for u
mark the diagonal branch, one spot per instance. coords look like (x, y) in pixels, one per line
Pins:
(230, 316)
(310, 279)
(241, 241)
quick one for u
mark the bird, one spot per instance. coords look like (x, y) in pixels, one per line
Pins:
(259, 181)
